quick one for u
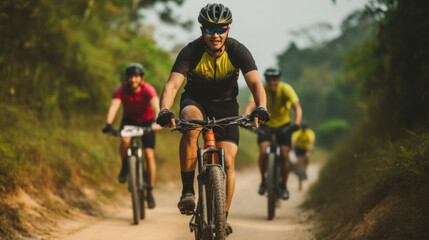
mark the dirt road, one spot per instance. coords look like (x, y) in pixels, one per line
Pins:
(247, 216)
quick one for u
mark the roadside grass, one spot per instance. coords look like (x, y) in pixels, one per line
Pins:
(10, 221)
(375, 189)
(247, 154)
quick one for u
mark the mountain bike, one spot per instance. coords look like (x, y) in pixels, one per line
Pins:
(136, 180)
(273, 172)
(208, 220)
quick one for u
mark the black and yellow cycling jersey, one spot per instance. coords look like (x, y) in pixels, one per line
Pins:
(209, 79)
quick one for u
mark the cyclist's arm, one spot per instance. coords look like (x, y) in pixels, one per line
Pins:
(170, 90)
(293, 143)
(250, 107)
(312, 140)
(311, 146)
(257, 89)
(298, 113)
(154, 104)
(113, 109)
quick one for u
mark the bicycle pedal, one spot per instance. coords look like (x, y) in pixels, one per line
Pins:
(187, 212)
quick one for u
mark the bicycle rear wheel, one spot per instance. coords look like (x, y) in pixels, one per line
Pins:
(216, 203)
(132, 186)
(272, 183)
(141, 189)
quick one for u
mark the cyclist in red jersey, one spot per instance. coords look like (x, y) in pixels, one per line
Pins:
(140, 106)
(211, 64)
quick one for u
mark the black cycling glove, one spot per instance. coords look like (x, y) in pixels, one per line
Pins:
(107, 129)
(294, 127)
(261, 113)
(164, 117)
(290, 129)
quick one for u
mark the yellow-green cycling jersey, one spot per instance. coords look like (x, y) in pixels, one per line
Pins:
(303, 139)
(279, 106)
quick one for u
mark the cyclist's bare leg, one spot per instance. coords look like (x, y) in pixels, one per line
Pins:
(307, 159)
(230, 153)
(188, 157)
(151, 166)
(188, 142)
(125, 142)
(285, 165)
(262, 160)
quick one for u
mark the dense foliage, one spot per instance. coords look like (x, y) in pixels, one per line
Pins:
(58, 55)
(392, 71)
(327, 98)
(376, 186)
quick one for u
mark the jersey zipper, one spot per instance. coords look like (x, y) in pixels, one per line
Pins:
(214, 76)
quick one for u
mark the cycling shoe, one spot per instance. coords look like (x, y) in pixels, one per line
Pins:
(122, 177)
(262, 188)
(150, 200)
(186, 204)
(228, 229)
(284, 193)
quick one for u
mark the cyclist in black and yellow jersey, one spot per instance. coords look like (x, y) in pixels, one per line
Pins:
(303, 144)
(211, 64)
(281, 97)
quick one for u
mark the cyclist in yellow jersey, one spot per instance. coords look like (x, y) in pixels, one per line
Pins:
(281, 97)
(303, 143)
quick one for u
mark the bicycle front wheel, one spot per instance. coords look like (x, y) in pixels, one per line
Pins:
(301, 172)
(132, 186)
(141, 189)
(271, 185)
(216, 203)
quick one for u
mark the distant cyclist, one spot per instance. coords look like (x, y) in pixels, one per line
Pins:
(140, 106)
(303, 143)
(281, 97)
(211, 64)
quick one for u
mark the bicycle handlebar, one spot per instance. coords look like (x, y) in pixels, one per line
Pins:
(131, 131)
(184, 125)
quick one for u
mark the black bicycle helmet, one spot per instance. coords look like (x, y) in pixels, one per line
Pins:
(134, 69)
(216, 14)
(304, 123)
(272, 72)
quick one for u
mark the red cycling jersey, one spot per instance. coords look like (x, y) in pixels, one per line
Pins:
(136, 105)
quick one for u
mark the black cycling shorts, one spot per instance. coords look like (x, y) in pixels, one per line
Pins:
(283, 139)
(217, 110)
(148, 139)
(300, 151)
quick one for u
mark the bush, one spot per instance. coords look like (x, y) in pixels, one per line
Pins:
(329, 132)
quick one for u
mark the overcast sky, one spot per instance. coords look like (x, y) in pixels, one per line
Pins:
(263, 26)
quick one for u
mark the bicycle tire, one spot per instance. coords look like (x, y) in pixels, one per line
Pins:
(216, 203)
(141, 190)
(132, 185)
(300, 172)
(271, 185)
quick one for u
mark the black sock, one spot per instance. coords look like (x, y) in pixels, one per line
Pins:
(226, 215)
(149, 189)
(188, 182)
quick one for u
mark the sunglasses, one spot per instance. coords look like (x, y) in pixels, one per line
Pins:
(212, 31)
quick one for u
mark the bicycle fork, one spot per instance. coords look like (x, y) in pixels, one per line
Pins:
(197, 221)
(134, 149)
